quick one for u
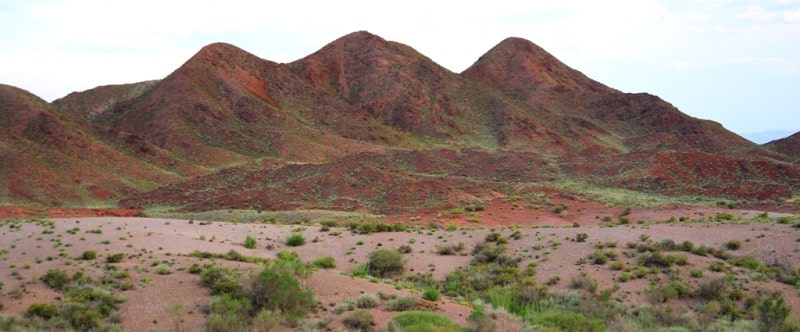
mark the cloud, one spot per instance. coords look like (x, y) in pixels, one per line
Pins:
(757, 13)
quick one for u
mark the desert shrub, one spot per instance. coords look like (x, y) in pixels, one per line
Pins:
(450, 249)
(716, 289)
(733, 245)
(115, 258)
(89, 255)
(326, 262)
(568, 321)
(418, 321)
(496, 238)
(724, 216)
(686, 246)
(221, 280)
(624, 277)
(329, 223)
(228, 313)
(57, 279)
(404, 249)
(86, 306)
(599, 257)
(359, 319)
(275, 288)
(195, 269)
(385, 263)
(163, 270)
(748, 262)
(581, 237)
(431, 293)
(375, 226)
(702, 250)
(673, 290)
(488, 252)
(360, 270)
(250, 242)
(366, 301)
(267, 321)
(344, 306)
(659, 259)
(772, 311)
(403, 303)
(295, 240)
(716, 266)
(585, 282)
(43, 310)
(696, 273)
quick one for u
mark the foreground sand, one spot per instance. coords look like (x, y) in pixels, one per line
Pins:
(151, 244)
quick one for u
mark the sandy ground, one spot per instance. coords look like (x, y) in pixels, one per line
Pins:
(149, 243)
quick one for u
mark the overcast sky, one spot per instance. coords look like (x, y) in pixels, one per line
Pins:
(734, 62)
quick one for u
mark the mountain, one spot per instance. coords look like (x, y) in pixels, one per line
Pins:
(789, 146)
(367, 124)
(51, 157)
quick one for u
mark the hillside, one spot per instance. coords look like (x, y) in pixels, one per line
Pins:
(788, 146)
(366, 124)
(50, 157)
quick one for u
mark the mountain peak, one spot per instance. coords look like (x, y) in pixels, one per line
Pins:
(516, 62)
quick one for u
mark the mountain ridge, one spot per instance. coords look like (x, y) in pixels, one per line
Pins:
(518, 114)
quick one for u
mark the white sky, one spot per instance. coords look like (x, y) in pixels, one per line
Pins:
(734, 62)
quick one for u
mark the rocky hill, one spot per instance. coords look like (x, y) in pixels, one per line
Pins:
(373, 125)
(788, 146)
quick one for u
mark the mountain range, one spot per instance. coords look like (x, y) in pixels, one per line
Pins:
(366, 124)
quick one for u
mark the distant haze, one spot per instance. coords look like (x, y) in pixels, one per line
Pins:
(768, 136)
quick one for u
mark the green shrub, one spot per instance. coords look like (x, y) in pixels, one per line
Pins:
(725, 216)
(404, 249)
(366, 301)
(295, 240)
(326, 262)
(385, 263)
(569, 321)
(773, 311)
(403, 303)
(496, 238)
(43, 310)
(57, 279)
(696, 273)
(581, 237)
(624, 277)
(115, 258)
(267, 321)
(599, 257)
(89, 255)
(419, 321)
(431, 294)
(228, 313)
(716, 289)
(733, 245)
(250, 242)
(359, 319)
(221, 280)
(275, 288)
(450, 249)
(195, 269)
